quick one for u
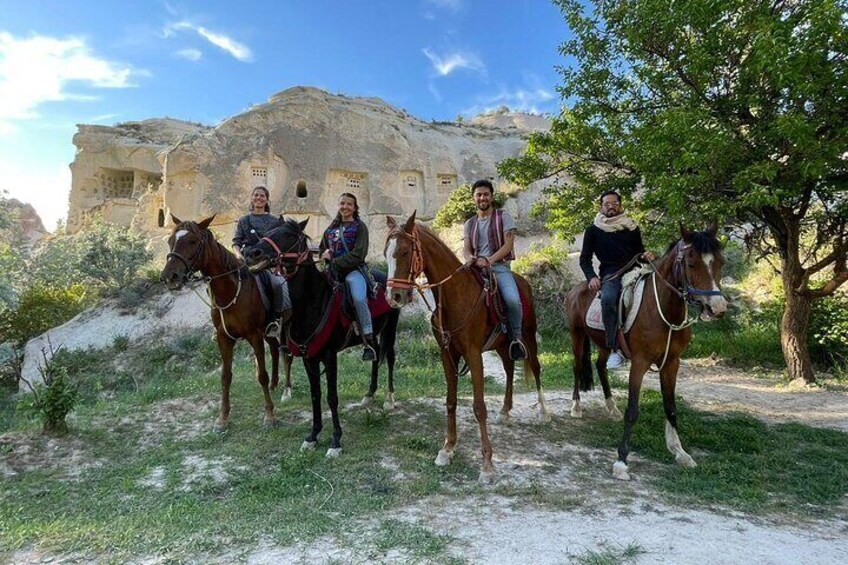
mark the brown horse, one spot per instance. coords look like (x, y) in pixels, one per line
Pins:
(237, 309)
(461, 324)
(689, 273)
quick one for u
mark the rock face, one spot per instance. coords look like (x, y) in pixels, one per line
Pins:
(137, 174)
(27, 224)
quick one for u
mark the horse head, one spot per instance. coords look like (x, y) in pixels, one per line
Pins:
(284, 247)
(697, 267)
(403, 255)
(186, 247)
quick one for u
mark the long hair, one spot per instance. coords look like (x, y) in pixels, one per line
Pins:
(337, 221)
(267, 197)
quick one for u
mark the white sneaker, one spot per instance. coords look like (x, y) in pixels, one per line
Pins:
(615, 360)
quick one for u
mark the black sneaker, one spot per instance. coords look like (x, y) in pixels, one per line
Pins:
(517, 351)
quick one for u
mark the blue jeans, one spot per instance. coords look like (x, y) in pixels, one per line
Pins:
(358, 291)
(609, 308)
(509, 292)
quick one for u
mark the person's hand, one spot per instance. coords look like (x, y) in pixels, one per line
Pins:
(595, 284)
(237, 253)
(327, 255)
(481, 262)
(648, 256)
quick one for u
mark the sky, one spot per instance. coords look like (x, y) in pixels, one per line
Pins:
(72, 62)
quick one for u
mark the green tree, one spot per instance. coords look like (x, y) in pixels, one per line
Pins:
(460, 206)
(728, 109)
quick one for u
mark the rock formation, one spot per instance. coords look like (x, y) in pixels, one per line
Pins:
(27, 228)
(138, 173)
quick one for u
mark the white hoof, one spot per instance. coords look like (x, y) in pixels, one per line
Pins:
(367, 401)
(613, 412)
(308, 445)
(486, 477)
(286, 394)
(444, 458)
(576, 409)
(685, 460)
(389, 404)
(619, 471)
(334, 452)
(544, 415)
(504, 417)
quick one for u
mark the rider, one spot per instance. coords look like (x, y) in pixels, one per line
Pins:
(249, 231)
(489, 238)
(345, 246)
(614, 238)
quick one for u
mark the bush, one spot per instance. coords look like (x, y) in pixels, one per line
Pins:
(829, 330)
(113, 255)
(547, 270)
(54, 398)
(40, 308)
(460, 206)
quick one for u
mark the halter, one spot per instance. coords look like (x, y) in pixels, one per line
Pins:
(416, 267)
(680, 269)
(300, 257)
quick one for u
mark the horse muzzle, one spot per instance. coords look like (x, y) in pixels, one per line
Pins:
(172, 280)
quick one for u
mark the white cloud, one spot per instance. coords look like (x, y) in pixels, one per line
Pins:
(532, 100)
(445, 65)
(238, 50)
(190, 54)
(40, 69)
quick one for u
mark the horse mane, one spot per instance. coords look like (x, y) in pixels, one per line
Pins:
(429, 232)
(702, 241)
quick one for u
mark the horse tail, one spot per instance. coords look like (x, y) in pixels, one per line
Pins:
(586, 380)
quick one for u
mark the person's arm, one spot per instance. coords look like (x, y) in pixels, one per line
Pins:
(356, 256)
(506, 248)
(467, 252)
(238, 240)
(586, 255)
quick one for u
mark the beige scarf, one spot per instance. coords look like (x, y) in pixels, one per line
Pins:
(621, 222)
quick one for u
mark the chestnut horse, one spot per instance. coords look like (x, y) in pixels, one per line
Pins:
(461, 324)
(318, 340)
(237, 309)
(689, 273)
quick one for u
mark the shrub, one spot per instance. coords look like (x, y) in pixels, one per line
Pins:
(112, 255)
(829, 330)
(547, 270)
(55, 397)
(460, 206)
(40, 308)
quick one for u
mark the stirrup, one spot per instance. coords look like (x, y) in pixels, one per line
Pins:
(274, 329)
(517, 351)
(368, 353)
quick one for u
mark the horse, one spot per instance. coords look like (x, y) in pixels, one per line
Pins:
(237, 309)
(689, 273)
(317, 332)
(461, 324)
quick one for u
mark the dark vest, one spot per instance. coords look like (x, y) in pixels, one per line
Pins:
(496, 234)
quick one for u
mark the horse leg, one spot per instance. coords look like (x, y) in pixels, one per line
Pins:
(579, 350)
(475, 363)
(450, 359)
(509, 369)
(225, 348)
(668, 380)
(368, 399)
(532, 364)
(257, 341)
(638, 367)
(275, 363)
(313, 371)
(389, 346)
(287, 367)
(332, 369)
(603, 375)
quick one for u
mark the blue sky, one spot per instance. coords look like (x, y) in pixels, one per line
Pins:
(102, 62)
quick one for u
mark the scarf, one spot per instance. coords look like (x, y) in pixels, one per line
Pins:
(622, 222)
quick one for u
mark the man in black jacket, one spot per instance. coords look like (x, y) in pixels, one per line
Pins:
(614, 238)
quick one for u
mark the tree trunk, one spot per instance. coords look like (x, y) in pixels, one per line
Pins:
(793, 335)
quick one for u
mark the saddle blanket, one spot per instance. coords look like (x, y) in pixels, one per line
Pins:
(631, 299)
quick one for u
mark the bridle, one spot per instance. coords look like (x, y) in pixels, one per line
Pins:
(416, 266)
(190, 264)
(299, 257)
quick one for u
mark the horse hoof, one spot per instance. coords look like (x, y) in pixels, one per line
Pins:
(389, 404)
(615, 414)
(504, 417)
(619, 471)
(545, 416)
(443, 458)
(576, 412)
(286, 394)
(367, 401)
(334, 452)
(220, 428)
(685, 460)
(270, 424)
(308, 445)
(486, 477)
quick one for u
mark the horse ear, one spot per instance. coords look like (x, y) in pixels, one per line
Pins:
(712, 228)
(410, 223)
(176, 220)
(684, 233)
(303, 224)
(390, 223)
(205, 223)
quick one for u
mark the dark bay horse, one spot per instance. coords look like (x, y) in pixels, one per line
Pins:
(688, 273)
(318, 339)
(461, 324)
(237, 310)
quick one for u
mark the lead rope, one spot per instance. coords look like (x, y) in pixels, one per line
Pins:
(671, 327)
(211, 303)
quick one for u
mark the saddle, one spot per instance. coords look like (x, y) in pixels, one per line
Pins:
(632, 289)
(263, 282)
(495, 305)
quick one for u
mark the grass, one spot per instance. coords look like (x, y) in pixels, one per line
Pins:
(171, 488)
